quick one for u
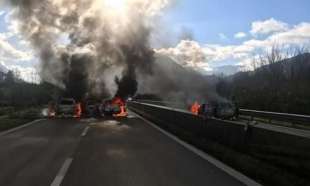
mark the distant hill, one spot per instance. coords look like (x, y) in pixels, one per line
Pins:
(226, 70)
(282, 86)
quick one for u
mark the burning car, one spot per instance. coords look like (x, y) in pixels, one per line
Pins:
(225, 110)
(67, 107)
(92, 108)
(217, 109)
(115, 107)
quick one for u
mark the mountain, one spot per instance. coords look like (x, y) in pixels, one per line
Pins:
(226, 70)
(281, 86)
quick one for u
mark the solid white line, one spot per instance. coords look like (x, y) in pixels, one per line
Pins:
(20, 127)
(62, 172)
(85, 131)
(232, 172)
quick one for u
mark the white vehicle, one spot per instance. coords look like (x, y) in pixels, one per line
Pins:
(66, 107)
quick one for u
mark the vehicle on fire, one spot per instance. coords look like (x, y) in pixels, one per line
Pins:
(113, 107)
(218, 109)
(67, 107)
(92, 108)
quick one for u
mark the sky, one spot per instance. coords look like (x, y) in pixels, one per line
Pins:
(218, 33)
(209, 18)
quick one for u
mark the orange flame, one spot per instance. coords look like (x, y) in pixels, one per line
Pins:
(78, 110)
(195, 108)
(119, 101)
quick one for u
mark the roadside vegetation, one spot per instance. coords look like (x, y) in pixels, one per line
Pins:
(278, 83)
(11, 117)
(20, 101)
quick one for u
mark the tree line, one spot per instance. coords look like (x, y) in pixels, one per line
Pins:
(278, 82)
(18, 93)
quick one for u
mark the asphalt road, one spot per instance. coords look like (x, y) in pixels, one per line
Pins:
(33, 155)
(123, 152)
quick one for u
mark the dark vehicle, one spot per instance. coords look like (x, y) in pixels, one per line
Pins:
(66, 107)
(92, 108)
(222, 110)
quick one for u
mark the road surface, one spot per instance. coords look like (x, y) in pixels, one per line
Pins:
(109, 152)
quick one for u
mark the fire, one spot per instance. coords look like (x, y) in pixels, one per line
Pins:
(119, 101)
(195, 108)
(78, 110)
(51, 110)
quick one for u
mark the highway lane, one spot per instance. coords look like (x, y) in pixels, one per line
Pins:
(129, 152)
(122, 152)
(33, 155)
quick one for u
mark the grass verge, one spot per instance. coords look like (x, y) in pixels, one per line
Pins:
(8, 123)
(11, 118)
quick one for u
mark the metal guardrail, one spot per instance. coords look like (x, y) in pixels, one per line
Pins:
(270, 116)
(285, 117)
(232, 133)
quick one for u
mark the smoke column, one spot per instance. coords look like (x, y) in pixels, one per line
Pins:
(81, 42)
(102, 48)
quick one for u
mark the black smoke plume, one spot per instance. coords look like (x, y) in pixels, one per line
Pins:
(83, 44)
(88, 47)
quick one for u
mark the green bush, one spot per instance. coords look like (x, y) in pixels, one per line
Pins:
(31, 113)
(6, 110)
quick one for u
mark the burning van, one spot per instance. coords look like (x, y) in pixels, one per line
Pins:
(115, 107)
(67, 107)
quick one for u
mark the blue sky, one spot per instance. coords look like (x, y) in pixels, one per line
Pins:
(208, 18)
(225, 32)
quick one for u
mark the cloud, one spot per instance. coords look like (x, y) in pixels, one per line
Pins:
(222, 36)
(243, 53)
(12, 57)
(240, 35)
(299, 34)
(268, 26)
(187, 53)
(8, 51)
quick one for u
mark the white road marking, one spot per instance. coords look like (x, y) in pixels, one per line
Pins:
(62, 172)
(232, 172)
(85, 131)
(20, 127)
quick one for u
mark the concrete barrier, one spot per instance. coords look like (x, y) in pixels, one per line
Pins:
(243, 136)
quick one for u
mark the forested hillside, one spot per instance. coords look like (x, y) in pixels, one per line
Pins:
(280, 86)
